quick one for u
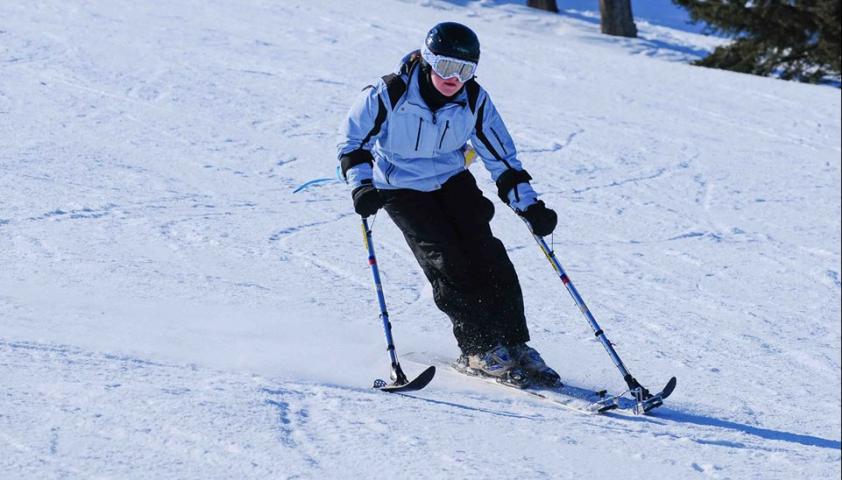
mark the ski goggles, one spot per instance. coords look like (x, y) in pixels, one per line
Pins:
(449, 67)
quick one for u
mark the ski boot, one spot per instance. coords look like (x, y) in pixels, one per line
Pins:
(496, 363)
(530, 361)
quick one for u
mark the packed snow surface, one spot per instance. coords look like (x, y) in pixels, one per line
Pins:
(169, 308)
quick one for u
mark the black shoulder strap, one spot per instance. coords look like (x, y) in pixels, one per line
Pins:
(395, 84)
(472, 89)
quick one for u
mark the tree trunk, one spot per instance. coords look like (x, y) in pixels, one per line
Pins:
(617, 18)
(548, 5)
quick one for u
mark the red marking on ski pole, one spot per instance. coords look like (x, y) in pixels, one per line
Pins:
(372, 261)
(564, 279)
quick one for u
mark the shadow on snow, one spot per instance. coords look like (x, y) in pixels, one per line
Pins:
(765, 433)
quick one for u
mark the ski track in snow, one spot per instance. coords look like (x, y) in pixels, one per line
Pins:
(169, 308)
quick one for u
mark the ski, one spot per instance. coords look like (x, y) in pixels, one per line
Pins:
(570, 397)
(581, 399)
(419, 382)
(566, 396)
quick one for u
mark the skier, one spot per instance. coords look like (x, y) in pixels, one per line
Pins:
(403, 147)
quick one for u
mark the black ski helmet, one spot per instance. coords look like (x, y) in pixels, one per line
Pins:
(454, 40)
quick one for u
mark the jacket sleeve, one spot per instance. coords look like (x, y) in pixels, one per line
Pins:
(358, 131)
(497, 150)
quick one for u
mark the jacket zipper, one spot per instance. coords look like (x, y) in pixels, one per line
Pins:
(418, 136)
(446, 126)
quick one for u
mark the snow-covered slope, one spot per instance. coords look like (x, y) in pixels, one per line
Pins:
(170, 309)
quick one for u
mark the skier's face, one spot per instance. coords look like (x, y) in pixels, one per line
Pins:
(448, 87)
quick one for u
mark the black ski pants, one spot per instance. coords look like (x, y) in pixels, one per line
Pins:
(473, 280)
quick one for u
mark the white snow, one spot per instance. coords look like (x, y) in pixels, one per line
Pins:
(170, 309)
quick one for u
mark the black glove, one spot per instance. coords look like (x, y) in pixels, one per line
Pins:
(367, 200)
(540, 218)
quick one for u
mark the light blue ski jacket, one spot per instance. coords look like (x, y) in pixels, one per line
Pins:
(410, 146)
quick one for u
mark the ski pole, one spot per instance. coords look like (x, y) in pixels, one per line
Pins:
(397, 374)
(637, 390)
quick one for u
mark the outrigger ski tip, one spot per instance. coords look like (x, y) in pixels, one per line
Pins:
(401, 384)
(645, 405)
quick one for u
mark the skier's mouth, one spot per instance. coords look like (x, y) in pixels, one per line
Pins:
(450, 86)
